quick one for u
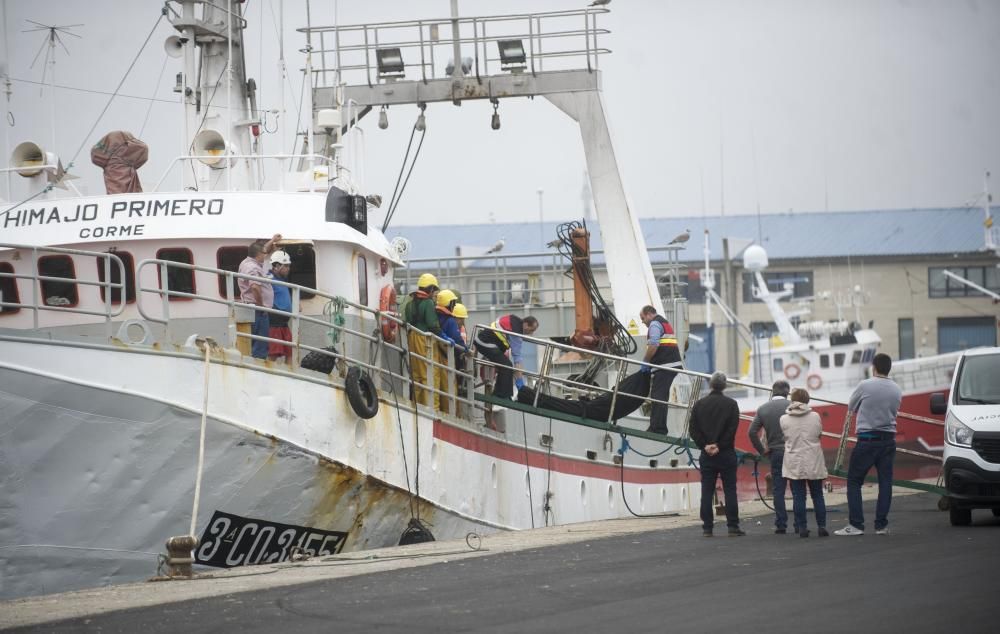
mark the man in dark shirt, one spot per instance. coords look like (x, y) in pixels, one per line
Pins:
(714, 420)
(768, 417)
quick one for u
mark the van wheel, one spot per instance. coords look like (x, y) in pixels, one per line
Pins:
(996, 512)
(943, 503)
(959, 516)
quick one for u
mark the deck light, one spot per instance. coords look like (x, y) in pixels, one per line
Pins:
(512, 55)
(390, 62)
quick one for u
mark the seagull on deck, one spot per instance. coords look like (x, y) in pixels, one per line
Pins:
(600, 3)
(682, 238)
(496, 247)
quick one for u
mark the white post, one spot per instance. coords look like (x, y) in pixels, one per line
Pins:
(541, 219)
(229, 91)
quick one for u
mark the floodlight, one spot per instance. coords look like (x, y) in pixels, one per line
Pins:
(511, 54)
(390, 62)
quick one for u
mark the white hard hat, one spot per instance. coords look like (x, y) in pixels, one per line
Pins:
(280, 257)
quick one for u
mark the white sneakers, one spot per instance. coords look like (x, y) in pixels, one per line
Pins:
(850, 530)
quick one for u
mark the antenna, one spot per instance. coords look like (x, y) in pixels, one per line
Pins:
(54, 35)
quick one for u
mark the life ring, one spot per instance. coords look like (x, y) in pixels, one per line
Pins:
(792, 371)
(814, 381)
(387, 304)
(361, 393)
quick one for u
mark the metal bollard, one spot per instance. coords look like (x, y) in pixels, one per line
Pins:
(180, 556)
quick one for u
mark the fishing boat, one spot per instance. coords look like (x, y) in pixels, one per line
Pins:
(132, 411)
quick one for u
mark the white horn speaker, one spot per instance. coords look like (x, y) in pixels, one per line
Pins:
(173, 46)
(31, 156)
(211, 145)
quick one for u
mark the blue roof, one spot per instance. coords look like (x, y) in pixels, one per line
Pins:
(895, 232)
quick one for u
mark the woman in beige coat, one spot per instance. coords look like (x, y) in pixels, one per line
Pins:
(804, 465)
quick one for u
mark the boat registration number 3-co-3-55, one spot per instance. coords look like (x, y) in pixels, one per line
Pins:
(230, 540)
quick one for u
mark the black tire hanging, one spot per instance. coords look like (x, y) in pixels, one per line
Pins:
(361, 393)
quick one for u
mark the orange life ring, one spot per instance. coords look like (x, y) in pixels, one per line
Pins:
(792, 371)
(387, 304)
(814, 381)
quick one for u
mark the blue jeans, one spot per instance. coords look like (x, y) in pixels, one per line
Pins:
(799, 503)
(867, 454)
(778, 482)
(261, 327)
(722, 464)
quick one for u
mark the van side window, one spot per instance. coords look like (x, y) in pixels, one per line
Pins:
(8, 290)
(362, 280)
(116, 293)
(228, 259)
(58, 293)
(179, 280)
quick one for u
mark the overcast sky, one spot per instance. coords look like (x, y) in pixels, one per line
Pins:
(805, 105)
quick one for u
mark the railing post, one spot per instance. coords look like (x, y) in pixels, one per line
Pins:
(296, 327)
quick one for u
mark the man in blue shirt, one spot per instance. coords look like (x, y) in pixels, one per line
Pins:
(661, 349)
(281, 265)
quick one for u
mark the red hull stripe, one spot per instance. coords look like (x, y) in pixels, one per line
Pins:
(541, 460)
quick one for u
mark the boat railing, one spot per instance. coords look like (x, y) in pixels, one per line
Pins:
(36, 303)
(552, 40)
(281, 159)
(351, 344)
(530, 279)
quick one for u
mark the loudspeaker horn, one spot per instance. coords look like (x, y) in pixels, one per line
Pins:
(173, 46)
(211, 145)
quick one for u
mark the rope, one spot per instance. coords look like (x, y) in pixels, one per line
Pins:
(201, 443)
(44, 190)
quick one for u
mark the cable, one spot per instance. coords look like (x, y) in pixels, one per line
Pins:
(151, 100)
(527, 468)
(397, 192)
(91, 91)
(44, 190)
(86, 137)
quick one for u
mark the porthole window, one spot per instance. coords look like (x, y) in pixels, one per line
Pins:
(179, 279)
(129, 284)
(61, 292)
(8, 290)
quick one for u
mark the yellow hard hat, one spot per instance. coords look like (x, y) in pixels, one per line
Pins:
(427, 280)
(460, 311)
(446, 297)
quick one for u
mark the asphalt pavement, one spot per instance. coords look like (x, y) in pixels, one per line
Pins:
(657, 576)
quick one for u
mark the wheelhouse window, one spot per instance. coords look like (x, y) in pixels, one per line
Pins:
(778, 364)
(129, 285)
(824, 360)
(362, 280)
(179, 279)
(8, 290)
(228, 259)
(58, 292)
(839, 358)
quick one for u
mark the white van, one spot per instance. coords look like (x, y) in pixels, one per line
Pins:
(972, 435)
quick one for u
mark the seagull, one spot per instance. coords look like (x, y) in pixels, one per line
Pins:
(600, 3)
(496, 247)
(682, 238)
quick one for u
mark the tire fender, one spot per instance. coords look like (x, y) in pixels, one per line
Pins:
(361, 393)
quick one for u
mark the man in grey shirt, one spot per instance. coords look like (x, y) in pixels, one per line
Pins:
(876, 403)
(769, 416)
